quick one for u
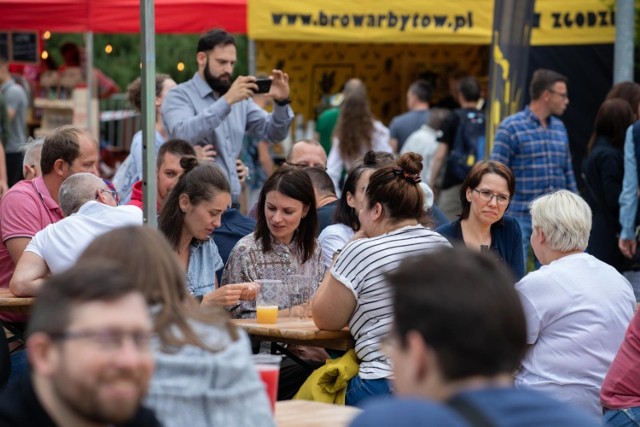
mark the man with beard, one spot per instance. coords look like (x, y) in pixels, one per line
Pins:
(211, 108)
(89, 349)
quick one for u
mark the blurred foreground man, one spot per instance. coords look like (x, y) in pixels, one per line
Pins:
(459, 332)
(89, 353)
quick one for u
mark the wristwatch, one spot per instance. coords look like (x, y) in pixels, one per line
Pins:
(283, 102)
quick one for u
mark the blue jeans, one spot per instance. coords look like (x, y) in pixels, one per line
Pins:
(526, 229)
(629, 417)
(359, 390)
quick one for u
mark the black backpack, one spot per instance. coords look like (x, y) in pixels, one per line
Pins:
(468, 144)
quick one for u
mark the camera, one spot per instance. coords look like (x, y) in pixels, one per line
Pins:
(264, 85)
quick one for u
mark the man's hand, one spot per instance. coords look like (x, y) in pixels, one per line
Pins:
(279, 85)
(627, 247)
(242, 88)
(205, 152)
(241, 170)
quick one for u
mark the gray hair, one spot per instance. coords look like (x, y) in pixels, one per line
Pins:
(77, 190)
(564, 218)
(32, 150)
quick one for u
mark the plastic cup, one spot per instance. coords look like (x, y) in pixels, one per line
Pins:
(267, 301)
(299, 287)
(268, 367)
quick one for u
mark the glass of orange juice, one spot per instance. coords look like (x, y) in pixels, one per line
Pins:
(267, 301)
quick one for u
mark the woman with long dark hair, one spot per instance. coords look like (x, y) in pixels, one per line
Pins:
(284, 242)
(356, 132)
(604, 171)
(191, 212)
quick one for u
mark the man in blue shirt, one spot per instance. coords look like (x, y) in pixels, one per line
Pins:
(458, 335)
(535, 145)
(211, 108)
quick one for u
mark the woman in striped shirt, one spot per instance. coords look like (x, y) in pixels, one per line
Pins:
(355, 292)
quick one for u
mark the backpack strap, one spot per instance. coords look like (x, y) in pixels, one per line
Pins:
(470, 412)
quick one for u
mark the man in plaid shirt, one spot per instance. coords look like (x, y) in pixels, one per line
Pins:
(534, 144)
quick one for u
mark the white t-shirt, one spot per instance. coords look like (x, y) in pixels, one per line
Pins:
(361, 267)
(332, 238)
(335, 162)
(60, 244)
(424, 141)
(577, 310)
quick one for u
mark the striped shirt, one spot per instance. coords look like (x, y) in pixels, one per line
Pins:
(361, 267)
(538, 156)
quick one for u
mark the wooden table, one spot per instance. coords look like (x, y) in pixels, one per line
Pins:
(302, 413)
(14, 304)
(300, 332)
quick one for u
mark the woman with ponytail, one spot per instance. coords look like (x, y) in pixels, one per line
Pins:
(191, 212)
(392, 207)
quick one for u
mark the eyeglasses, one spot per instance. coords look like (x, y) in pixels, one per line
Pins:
(563, 95)
(307, 165)
(113, 193)
(486, 195)
(109, 339)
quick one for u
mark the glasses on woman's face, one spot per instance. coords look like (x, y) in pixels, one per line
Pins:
(486, 196)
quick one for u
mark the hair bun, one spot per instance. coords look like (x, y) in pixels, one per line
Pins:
(411, 165)
(187, 163)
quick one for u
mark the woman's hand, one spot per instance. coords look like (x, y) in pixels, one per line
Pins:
(231, 295)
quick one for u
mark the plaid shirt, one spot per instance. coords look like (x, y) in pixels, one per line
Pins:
(539, 157)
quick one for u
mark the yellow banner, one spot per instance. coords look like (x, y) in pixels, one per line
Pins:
(372, 21)
(570, 22)
(424, 21)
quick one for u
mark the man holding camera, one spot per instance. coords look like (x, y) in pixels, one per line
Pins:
(212, 109)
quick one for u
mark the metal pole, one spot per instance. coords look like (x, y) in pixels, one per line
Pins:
(88, 42)
(623, 52)
(148, 58)
(252, 56)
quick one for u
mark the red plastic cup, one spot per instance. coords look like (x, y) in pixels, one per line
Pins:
(268, 367)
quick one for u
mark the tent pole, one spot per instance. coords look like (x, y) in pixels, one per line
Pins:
(623, 49)
(148, 59)
(88, 42)
(252, 56)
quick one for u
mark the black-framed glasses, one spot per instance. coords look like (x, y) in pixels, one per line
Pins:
(563, 95)
(486, 196)
(109, 339)
(113, 193)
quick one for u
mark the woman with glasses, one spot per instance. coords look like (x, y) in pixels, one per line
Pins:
(485, 195)
(204, 375)
(355, 292)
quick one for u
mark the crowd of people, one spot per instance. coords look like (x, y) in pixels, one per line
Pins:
(411, 239)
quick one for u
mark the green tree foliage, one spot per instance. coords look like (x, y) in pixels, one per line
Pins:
(123, 63)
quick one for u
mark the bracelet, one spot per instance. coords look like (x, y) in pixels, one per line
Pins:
(283, 102)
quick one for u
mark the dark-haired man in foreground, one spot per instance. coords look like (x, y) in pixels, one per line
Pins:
(459, 333)
(89, 351)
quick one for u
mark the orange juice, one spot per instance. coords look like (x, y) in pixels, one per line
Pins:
(267, 314)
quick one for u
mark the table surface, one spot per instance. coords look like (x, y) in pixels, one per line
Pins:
(290, 413)
(301, 332)
(14, 304)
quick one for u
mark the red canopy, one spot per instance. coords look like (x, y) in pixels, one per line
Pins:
(122, 16)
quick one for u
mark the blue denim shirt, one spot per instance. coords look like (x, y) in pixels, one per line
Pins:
(194, 112)
(628, 198)
(204, 261)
